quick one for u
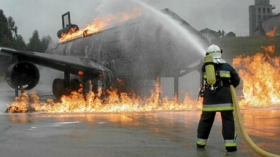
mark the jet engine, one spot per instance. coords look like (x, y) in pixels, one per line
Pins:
(22, 75)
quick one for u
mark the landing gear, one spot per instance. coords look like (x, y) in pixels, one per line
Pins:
(75, 84)
(82, 85)
(58, 88)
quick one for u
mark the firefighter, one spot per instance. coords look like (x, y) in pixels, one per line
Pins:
(217, 77)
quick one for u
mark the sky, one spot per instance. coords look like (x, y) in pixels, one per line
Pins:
(45, 15)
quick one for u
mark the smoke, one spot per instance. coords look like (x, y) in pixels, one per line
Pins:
(188, 35)
(188, 83)
(117, 6)
(159, 36)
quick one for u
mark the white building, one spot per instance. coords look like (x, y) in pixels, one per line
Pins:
(259, 12)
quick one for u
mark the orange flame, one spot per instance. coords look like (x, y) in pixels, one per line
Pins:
(80, 73)
(76, 102)
(21, 104)
(260, 74)
(97, 25)
(272, 32)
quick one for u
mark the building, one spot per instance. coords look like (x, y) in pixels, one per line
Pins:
(259, 12)
(272, 23)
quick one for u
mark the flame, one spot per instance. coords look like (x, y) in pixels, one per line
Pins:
(272, 32)
(20, 104)
(80, 73)
(97, 25)
(260, 74)
(76, 102)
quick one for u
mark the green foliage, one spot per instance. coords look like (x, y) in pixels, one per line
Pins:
(9, 36)
(46, 40)
(19, 43)
(11, 26)
(8, 33)
(34, 42)
(6, 38)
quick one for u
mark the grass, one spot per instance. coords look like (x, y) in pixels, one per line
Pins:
(245, 45)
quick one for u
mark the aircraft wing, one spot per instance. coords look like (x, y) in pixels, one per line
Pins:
(71, 64)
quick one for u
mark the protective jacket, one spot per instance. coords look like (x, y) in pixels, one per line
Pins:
(217, 97)
(220, 99)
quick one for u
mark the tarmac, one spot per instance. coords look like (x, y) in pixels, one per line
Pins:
(143, 134)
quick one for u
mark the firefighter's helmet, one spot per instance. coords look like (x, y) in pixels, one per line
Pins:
(214, 51)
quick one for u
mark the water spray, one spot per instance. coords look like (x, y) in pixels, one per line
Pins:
(186, 34)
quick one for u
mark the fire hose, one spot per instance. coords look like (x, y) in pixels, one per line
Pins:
(245, 135)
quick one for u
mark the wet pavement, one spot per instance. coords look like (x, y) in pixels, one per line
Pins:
(149, 134)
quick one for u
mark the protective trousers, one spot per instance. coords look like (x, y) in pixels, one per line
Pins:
(228, 128)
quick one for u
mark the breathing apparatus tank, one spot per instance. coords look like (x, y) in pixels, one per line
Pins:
(213, 52)
(210, 71)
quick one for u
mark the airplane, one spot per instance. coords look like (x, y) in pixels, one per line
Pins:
(142, 48)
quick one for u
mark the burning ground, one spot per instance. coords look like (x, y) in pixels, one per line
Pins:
(76, 102)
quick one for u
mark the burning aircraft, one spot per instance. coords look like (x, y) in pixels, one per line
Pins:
(136, 48)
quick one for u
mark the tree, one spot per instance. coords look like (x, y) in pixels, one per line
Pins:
(19, 43)
(34, 42)
(6, 38)
(46, 40)
(7, 28)
(220, 33)
(230, 34)
(12, 27)
(9, 36)
(223, 33)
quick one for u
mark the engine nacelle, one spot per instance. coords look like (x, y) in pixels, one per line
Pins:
(22, 75)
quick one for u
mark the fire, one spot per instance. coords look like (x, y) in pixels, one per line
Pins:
(76, 102)
(20, 104)
(260, 75)
(98, 24)
(272, 32)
